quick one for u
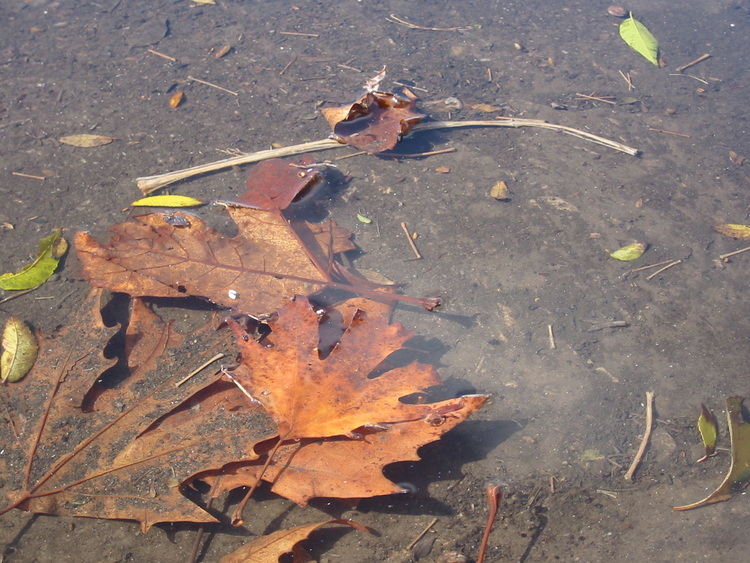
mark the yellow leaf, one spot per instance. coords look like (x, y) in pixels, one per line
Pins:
(635, 34)
(168, 201)
(629, 252)
(86, 140)
(500, 191)
(19, 350)
(734, 231)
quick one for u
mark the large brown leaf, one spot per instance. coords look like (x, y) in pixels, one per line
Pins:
(349, 417)
(73, 447)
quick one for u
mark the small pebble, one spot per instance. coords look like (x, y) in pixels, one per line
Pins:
(617, 11)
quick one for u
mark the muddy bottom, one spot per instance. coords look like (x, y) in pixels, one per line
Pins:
(565, 339)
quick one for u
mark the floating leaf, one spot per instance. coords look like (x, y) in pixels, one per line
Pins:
(168, 201)
(19, 350)
(709, 430)
(176, 100)
(635, 34)
(739, 473)
(734, 231)
(268, 549)
(86, 140)
(51, 249)
(363, 219)
(629, 252)
(500, 191)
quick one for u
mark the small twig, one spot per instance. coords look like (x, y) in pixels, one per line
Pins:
(22, 175)
(660, 270)
(650, 266)
(494, 496)
(298, 34)
(411, 241)
(627, 79)
(162, 55)
(689, 76)
(608, 493)
(552, 484)
(691, 63)
(420, 154)
(725, 256)
(212, 85)
(420, 536)
(286, 67)
(198, 369)
(395, 19)
(646, 436)
(552, 344)
(597, 98)
(669, 132)
(18, 294)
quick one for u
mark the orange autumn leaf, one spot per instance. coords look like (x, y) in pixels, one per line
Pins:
(268, 549)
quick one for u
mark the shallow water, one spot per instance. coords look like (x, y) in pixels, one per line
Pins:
(507, 270)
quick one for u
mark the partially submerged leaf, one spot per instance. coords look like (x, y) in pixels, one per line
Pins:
(82, 439)
(86, 140)
(19, 350)
(375, 122)
(734, 231)
(168, 201)
(635, 34)
(739, 472)
(708, 429)
(268, 549)
(629, 252)
(51, 249)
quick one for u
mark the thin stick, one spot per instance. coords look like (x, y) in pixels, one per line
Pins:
(22, 175)
(198, 369)
(598, 99)
(669, 132)
(148, 184)
(298, 34)
(410, 25)
(162, 55)
(646, 436)
(552, 484)
(725, 256)
(419, 154)
(695, 62)
(552, 344)
(660, 270)
(651, 266)
(626, 77)
(212, 85)
(420, 536)
(290, 63)
(411, 241)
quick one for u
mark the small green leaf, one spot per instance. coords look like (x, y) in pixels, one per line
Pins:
(709, 431)
(635, 34)
(363, 219)
(19, 350)
(629, 252)
(739, 472)
(51, 249)
(168, 201)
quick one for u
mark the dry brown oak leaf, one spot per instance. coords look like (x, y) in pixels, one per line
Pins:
(342, 416)
(375, 122)
(75, 447)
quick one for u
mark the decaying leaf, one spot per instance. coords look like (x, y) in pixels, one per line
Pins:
(176, 100)
(270, 260)
(86, 140)
(736, 159)
(635, 34)
(739, 472)
(629, 252)
(19, 350)
(268, 549)
(376, 121)
(708, 429)
(500, 191)
(734, 231)
(338, 407)
(51, 249)
(168, 201)
(83, 440)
